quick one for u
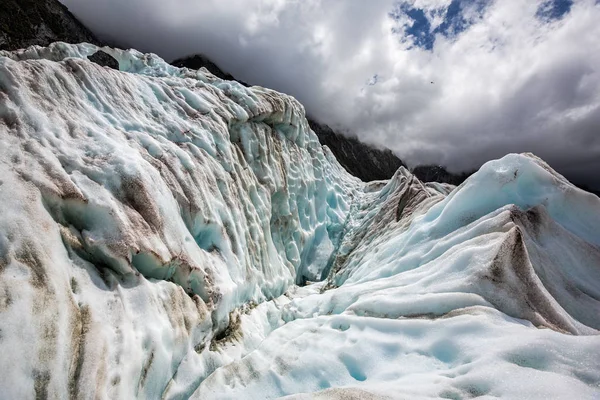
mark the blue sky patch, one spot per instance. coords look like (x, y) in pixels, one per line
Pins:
(554, 9)
(419, 30)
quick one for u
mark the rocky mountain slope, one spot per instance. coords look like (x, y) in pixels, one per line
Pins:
(198, 61)
(165, 233)
(435, 173)
(361, 160)
(25, 23)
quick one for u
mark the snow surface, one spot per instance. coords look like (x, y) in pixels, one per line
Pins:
(168, 234)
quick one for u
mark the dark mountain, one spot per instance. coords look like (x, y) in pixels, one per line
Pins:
(437, 173)
(361, 160)
(199, 61)
(24, 23)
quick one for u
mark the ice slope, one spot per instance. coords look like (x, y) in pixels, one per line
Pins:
(155, 223)
(139, 209)
(491, 292)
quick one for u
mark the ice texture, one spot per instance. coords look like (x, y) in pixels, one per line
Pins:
(168, 234)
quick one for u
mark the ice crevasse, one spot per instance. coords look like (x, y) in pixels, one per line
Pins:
(167, 234)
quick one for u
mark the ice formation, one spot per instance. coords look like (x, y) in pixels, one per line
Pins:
(167, 234)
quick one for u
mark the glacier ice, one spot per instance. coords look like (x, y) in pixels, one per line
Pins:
(168, 234)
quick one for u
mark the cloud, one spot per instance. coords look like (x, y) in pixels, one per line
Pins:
(508, 75)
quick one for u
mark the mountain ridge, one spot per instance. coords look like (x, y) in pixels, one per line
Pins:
(25, 23)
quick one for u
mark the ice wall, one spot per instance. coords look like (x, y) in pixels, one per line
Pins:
(139, 209)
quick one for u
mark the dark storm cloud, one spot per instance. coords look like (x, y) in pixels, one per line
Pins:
(508, 76)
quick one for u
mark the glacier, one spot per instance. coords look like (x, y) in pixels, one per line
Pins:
(168, 234)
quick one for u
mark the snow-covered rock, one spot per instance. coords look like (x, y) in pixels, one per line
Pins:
(155, 224)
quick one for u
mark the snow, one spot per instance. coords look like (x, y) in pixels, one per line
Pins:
(168, 234)
(477, 354)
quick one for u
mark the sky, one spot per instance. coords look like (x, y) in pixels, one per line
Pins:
(445, 82)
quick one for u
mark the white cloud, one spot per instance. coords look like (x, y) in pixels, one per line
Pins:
(509, 82)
